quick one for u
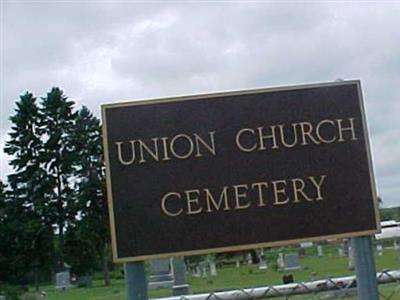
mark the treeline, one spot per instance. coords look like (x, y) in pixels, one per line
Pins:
(391, 213)
(53, 209)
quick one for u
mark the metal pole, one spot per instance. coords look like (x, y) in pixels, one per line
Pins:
(367, 288)
(136, 284)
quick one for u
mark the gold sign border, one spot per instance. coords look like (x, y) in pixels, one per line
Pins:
(225, 94)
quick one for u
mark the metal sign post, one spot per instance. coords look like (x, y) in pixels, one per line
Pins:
(136, 284)
(367, 288)
(296, 131)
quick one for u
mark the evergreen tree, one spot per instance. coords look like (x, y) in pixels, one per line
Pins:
(6, 257)
(26, 233)
(24, 146)
(92, 225)
(13, 263)
(59, 157)
(56, 190)
(2, 197)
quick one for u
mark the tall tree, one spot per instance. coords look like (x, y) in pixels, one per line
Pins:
(89, 173)
(7, 273)
(56, 190)
(25, 209)
(13, 262)
(59, 157)
(24, 147)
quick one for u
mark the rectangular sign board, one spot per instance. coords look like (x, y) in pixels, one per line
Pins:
(238, 170)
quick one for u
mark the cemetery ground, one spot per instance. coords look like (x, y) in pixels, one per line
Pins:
(246, 276)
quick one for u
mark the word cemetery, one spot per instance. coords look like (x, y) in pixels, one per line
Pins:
(238, 170)
(242, 196)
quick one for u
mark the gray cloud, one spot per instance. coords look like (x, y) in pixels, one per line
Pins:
(105, 51)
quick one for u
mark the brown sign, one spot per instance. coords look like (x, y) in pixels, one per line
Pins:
(238, 170)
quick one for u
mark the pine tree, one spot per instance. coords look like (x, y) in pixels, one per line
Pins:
(57, 190)
(92, 225)
(25, 229)
(59, 157)
(12, 261)
(24, 146)
(6, 257)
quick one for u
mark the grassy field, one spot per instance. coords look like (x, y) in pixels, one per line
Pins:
(247, 276)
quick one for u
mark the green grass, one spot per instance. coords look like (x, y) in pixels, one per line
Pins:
(246, 276)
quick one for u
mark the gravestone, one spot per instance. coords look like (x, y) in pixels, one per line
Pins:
(320, 251)
(196, 271)
(262, 264)
(262, 260)
(63, 280)
(292, 262)
(346, 247)
(249, 259)
(84, 281)
(180, 286)
(351, 258)
(306, 245)
(396, 245)
(379, 249)
(237, 263)
(213, 269)
(160, 274)
(203, 269)
(340, 252)
(212, 266)
(280, 261)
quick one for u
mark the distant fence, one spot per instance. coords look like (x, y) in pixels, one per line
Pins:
(342, 284)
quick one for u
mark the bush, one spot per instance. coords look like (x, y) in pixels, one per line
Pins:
(10, 292)
(29, 297)
(84, 281)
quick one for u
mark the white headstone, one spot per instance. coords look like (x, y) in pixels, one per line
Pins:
(379, 248)
(63, 280)
(280, 261)
(262, 265)
(306, 244)
(213, 268)
(320, 251)
(249, 259)
(351, 258)
(237, 263)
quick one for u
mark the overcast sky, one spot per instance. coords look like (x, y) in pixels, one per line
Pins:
(102, 51)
